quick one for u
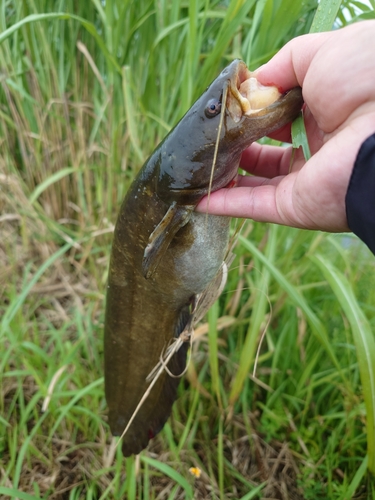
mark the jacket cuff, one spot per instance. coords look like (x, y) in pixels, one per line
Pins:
(360, 196)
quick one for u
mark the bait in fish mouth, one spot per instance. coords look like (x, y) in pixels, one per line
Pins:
(166, 265)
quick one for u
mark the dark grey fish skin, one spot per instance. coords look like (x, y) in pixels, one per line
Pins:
(164, 253)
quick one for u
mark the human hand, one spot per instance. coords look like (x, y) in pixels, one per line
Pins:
(336, 71)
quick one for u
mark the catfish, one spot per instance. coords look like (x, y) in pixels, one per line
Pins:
(165, 255)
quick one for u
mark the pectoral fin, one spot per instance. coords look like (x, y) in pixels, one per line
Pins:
(160, 239)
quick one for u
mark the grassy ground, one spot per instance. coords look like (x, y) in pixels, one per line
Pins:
(87, 91)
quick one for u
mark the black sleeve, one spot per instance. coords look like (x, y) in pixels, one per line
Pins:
(360, 197)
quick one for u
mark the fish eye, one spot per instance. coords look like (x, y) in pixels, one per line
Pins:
(213, 108)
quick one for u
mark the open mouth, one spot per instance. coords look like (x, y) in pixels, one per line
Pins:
(247, 96)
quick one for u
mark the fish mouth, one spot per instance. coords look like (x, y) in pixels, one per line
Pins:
(246, 96)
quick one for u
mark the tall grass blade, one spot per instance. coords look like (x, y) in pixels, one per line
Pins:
(364, 342)
(131, 479)
(325, 15)
(51, 180)
(356, 481)
(130, 110)
(253, 493)
(23, 450)
(172, 473)
(14, 307)
(324, 18)
(15, 493)
(256, 320)
(299, 136)
(315, 324)
(64, 411)
(62, 16)
(213, 350)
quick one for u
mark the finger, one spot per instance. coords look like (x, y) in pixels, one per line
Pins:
(253, 181)
(288, 68)
(331, 95)
(270, 161)
(310, 198)
(257, 203)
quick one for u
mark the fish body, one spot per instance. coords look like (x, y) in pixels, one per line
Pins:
(164, 254)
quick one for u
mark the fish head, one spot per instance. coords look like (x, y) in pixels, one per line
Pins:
(204, 149)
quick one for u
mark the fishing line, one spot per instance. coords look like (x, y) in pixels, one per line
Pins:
(180, 341)
(185, 336)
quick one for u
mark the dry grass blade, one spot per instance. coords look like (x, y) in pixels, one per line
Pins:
(51, 386)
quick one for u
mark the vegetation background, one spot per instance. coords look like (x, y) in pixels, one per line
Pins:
(87, 91)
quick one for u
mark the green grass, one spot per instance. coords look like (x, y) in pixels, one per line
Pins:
(87, 91)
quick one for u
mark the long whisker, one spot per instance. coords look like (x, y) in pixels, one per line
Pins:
(223, 106)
